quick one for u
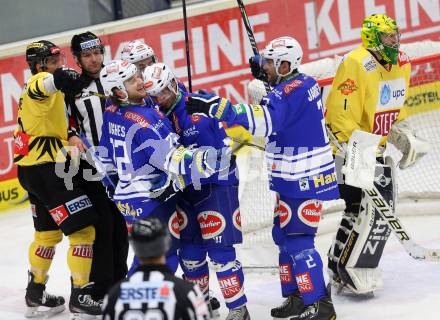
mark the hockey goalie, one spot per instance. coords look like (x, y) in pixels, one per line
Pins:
(364, 112)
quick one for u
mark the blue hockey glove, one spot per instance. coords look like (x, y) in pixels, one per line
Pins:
(209, 104)
(256, 64)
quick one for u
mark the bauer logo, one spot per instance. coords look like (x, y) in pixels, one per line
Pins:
(230, 286)
(59, 214)
(285, 273)
(284, 213)
(78, 204)
(236, 219)
(212, 224)
(304, 282)
(309, 212)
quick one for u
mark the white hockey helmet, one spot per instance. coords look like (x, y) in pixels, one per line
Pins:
(157, 77)
(136, 50)
(284, 49)
(114, 74)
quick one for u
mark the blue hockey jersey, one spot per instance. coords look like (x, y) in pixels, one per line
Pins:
(139, 144)
(199, 130)
(298, 154)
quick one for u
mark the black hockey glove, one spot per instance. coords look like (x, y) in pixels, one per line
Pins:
(210, 104)
(68, 81)
(256, 65)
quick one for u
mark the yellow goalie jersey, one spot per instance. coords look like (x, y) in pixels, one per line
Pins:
(41, 123)
(366, 96)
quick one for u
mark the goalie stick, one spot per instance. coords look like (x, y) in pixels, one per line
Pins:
(388, 214)
(250, 34)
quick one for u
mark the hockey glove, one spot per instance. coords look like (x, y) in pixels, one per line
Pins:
(209, 104)
(209, 160)
(256, 64)
(163, 188)
(68, 81)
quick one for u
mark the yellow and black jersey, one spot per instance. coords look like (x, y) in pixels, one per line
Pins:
(41, 123)
(367, 96)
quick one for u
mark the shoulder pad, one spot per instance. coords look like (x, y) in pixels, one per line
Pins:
(288, 88)
(402, 58)
(136, 118)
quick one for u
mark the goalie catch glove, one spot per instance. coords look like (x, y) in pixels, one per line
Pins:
(404, 138)
(210, 104)
(256, 64)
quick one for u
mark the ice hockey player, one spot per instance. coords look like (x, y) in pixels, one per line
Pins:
(367, 95)
(110, 248)
(301, 169)
(143, 153)
(158, 293)
(138, 53)
(40, 138)
(209, 210)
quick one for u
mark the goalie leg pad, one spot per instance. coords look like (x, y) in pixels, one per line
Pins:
(229, 275)
(195, 266)
(364, 246)
(307, 267)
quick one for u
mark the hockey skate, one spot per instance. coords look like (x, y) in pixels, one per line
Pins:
(293, 305)
(41, 304)
(320, 310)
(240, 313)
(214, 308)
(81, 304)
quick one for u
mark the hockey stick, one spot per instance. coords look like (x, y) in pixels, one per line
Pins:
(246, 143)
(188, 58)
(388, 214)
(250, 34)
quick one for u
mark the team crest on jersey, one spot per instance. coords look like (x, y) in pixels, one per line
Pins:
(348, 87)
(137, 118)
(284, 213)
(212, 224)
(236, 219)
(291, 86)
(309, 212)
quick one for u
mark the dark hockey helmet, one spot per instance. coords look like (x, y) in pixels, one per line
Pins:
(149, 238)
(38, 52)
(85, 41)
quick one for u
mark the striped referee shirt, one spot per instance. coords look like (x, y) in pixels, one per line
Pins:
(85, 112)
(153, 292)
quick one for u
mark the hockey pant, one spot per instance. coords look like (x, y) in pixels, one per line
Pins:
(300, 265)
(360, 240)
(210, 225)
(134, 209)
(57, 210)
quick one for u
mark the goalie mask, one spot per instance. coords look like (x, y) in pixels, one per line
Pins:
(113, 76)
(284, 49)
(157, 79)
(380, 34)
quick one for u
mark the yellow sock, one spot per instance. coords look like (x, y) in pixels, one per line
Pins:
(80, 254)
(41, 252)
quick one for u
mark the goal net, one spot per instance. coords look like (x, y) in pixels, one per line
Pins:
(418, 185)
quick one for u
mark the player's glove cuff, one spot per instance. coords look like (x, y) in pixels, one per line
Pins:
(209, 104)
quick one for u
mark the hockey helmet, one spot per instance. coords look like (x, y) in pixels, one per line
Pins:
(136, 50)
(157, 77)
(149, 238)
(113, 76)
(380, 34)
(284, 49)
(85, 41)
(38, 52)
